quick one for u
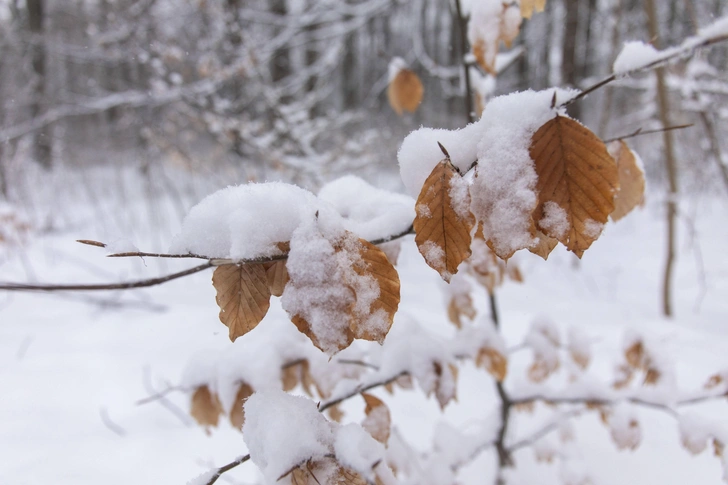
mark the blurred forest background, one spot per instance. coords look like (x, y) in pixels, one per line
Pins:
(192, 95)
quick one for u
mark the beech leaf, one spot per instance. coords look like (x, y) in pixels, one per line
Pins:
(378, 421)
(242, 295)
(528, 6)
(631, 191)
(577, 179)
(442, 224)
(405, 92)
(277, 276)
(205, 407)
(237, 412)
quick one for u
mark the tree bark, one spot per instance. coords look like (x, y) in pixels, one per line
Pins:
(42, 139)
(670, 164)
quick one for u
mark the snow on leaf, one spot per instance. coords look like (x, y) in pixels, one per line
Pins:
(631, 192)
(242, 295)
(237, 412)
(458, 299)
(544, 246)
(205, 407)
(624, 428)
(340, 288)
(442, 232)
(694, 433)
(491, 22)
(378, 421)
(405, 89)
(576, 172)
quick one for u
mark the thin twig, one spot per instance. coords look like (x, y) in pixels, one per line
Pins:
(545, 430)
(105, 286)
(641, 132)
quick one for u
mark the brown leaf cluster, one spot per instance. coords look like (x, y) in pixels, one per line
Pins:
(442, 233)
(405, 92)
(487, 267)
(637, 359)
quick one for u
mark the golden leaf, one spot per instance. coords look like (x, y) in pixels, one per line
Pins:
(205, 407)
(324, 471)
(375, 263)
(442, 233)
(493, 361)
(460, 305)
(242, 295)
(528, 6)
(631, 191)
(577, 180)
(237, 412)
(485, 56)
(378, 421)
(277, 276)
(405, 92)
(544, 246)
(335, 413)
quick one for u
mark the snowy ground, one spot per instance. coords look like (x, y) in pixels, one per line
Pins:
(72, 365)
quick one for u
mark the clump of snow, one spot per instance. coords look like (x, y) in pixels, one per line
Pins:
(717, 29)
(245, 221)
(485, 26)
(624, 427)
(395, 66)
(593, 228)
(695, 431)
(283, 431)
(357, 450)
(203, 478)
(460, 197)
(554, 220)
(419, 153)
(369, 212)
(434, 254)
(634, 55)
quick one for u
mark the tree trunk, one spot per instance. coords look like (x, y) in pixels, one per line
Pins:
(43, 139)
(670, 164)
(569, 68)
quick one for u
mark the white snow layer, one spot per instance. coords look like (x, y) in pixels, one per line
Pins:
(283, 431)
(248, 221)
(503, 190)
(369, 212)
(635, 55)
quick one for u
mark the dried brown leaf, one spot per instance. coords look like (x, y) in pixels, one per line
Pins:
(493, 361)
(205, 407)
(544, 246)
(718, 448)
(528, 6)
(375, 263)
(460, 306)
(242, 295)
(392, 250)
(714, 381)
(631, 192)
(237, 412)
(542, 368)
(335, 413)
(378, 420)
(635, 355)
(324, 471)
(442, 233)
(577, 180)
(405, 92)
(290, 376)
(277, 276)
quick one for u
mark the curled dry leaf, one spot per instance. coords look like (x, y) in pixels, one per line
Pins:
(277, 277)
(378, 421)
(335, 413)
(493, 361)
(542, 368)
(445, 385)
(405, 92)
(528, 6)
(577, 179)
(205, 407)
(443, 222)
(243, 296)
(544, 245)
(237, 412)
(631, 191)
(460, 305)
(485, 40)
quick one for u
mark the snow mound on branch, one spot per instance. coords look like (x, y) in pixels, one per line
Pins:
(284, 431)
(369, 212)
(246, 221)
